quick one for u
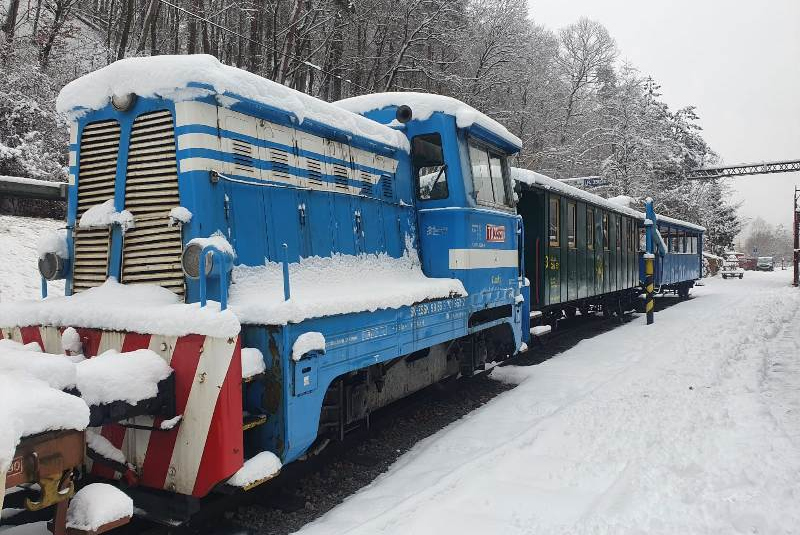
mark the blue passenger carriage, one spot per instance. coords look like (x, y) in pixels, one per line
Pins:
(679, 258)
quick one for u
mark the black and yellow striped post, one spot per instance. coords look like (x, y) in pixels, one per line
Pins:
(649, 304)
(649, 259)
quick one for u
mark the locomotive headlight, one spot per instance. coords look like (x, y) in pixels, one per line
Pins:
(52, 267)
(190, 261)
(123, 102)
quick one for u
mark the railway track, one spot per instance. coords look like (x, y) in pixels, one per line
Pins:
(306, 490)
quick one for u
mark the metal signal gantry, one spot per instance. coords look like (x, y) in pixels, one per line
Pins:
(728, 171)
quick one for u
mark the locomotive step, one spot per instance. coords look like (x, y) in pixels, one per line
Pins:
(536, 314)
(540, 330)
(252, 421)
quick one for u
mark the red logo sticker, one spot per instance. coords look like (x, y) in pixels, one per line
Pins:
(495, 233)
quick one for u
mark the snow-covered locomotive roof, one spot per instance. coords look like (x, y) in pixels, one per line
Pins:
(423, 105)
(191, 76)
(617, 204)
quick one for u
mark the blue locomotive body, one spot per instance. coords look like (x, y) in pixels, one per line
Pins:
(279, 188)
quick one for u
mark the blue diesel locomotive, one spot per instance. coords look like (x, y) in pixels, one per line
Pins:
(351, 253)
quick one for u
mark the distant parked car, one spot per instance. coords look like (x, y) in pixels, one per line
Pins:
(765, 263)
(731, 269)
(748, 263)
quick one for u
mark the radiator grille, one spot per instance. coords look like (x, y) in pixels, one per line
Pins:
(96, 174)
(151, 251)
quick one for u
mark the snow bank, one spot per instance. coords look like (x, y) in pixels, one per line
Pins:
(71, 341)
(215, 240)
(179, 214)
(53, 242)
(143, 308)
(56, 370)
(340, 284)
(103, 447)
(423, 105)
(262, 466)
(169, 77)
(312, 341)
(97, 504)
(29, 406)
(131, 377)
(696, 435)
(252, 362)
(104, 215)
(166, 425)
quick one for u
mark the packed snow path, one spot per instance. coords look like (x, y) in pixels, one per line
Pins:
(691, 425)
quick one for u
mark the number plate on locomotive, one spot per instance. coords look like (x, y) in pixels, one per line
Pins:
(15, 468)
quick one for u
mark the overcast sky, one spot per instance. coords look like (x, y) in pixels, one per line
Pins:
(738, 61)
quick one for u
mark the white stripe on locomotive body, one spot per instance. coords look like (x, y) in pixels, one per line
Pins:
(215, 359)
(283, 148)
(51, 339)
(483, 258)
(73, 158)
(110, 340)
(198, 141)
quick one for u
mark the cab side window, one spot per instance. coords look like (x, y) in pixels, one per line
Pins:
(431, 171)
(489, 176)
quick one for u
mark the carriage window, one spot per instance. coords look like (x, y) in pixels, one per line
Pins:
(590, 229)
(618, 225)
(572, 224)
(673, 241)
(642, 239)
(681, 243)
(555, 223)
(694, 245)
(605, 232)
(428, 160)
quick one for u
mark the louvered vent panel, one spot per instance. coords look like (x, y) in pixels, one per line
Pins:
(242, 155)
(96, 174)
(151, 251)
(366, 183)
(388, 187)
(314, 171)
(280, 163)
(340, 176)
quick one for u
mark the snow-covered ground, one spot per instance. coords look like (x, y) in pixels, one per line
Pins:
(691, 425)
(19, 274)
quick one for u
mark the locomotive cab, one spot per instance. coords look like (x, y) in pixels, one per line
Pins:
(466, 218)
